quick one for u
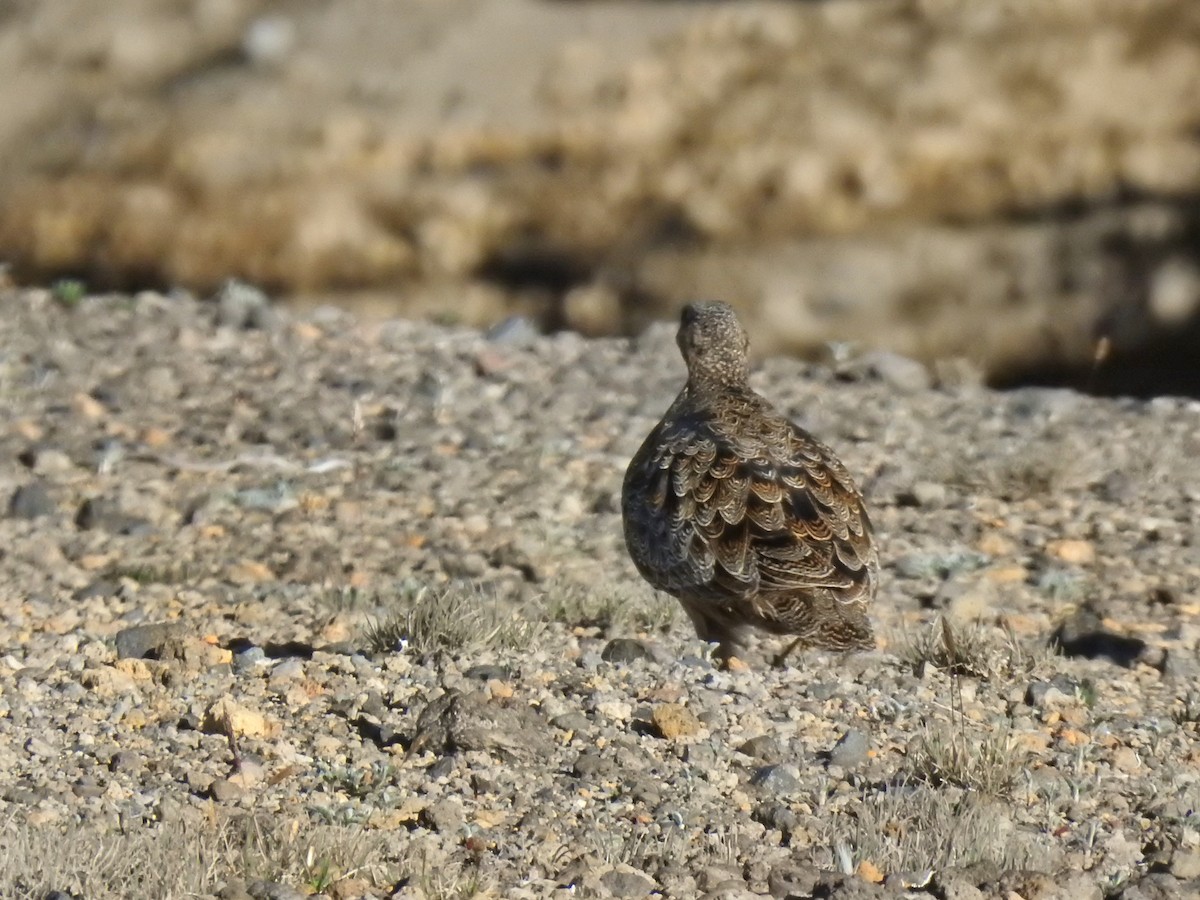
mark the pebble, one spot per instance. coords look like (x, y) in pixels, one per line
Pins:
(624, 881)
(900, 372)
(763, 747)
(31, 501)
(625, 650)
(850, 751)
(244, 306)
(675, 721)
(779, 780)
(142, 641)
(600, 732)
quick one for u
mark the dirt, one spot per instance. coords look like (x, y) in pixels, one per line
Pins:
(342, 606)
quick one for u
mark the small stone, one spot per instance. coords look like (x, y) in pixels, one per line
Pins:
(590, 764)
(35, 746)
(972, 604)
(234, 891)
(445, 816)
(572, 721)
(850, 751)
(249, 660)
(823, 690)
(720, 878)
(243, 306)
(105, 515)
(899, 372)
(107, 681)
(626, 881)
(268, 40)
(1042, 694)
(1080, 553)
(225, 715)
(87, 787)
(1185, 864)
(624, 650)
(273, 890)
(763, 747)
(488, 672)
(515, 330)
(675, 721)
(101, 587)
(249, 773)
(30, 501)
(499, 690)
(956, 887)
(195, 654)
(249, 572)
(868, 871)
(125, 761)
(224, 791)
(88, 406)
(780, 780)
(1125, 759)
(287, 670)
(144, 641)
(52, 461)
(789, 879)
(465, 565)
(617, 710)
(930, 494)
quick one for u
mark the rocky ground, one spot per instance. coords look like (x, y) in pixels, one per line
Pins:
(1008, 181)
(296, 606)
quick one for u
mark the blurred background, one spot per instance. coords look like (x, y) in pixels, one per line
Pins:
(1013, 184)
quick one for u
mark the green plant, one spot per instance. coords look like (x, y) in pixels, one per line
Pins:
(68, 292)
(361, 782)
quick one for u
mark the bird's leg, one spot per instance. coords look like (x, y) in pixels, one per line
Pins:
(713, 630)
(779, 660)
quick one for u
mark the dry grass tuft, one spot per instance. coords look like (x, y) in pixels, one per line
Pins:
(454, 619)
(973, 652)
(185, 859)
(611, 609)
(916, 827)
(986, 764)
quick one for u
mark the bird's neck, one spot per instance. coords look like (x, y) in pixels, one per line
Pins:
(708, 384)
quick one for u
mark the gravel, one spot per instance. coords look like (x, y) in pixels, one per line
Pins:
(365, 584)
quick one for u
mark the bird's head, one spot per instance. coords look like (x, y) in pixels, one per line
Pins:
(713, 343)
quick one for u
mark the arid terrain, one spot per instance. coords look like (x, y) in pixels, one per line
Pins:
(298, 605)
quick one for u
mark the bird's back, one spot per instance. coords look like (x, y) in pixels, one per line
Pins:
(729, 504)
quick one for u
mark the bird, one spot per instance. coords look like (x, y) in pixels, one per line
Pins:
(742, 515)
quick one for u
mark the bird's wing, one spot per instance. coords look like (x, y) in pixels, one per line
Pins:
(821, 533)
(772, 516)
(671, 522)
(711, 513)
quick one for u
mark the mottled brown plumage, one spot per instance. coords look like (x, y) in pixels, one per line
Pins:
(743, 516)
